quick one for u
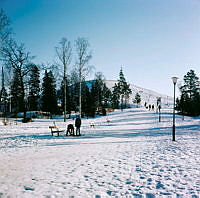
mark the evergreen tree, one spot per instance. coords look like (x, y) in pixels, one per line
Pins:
(16, 94)
(49, 99)
(96, 95)
(123, 91)
(115, 97)
(68, 96)
(34, 89)
(190, 86)
(74, 91)
(88, 101)
(189, 102)
(107, 96)
(98, 89)
(137, 99)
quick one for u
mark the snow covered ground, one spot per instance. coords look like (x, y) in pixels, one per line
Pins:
(132, 155)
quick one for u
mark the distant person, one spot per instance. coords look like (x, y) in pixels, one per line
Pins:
(78, 125)
(145, 104)
(159, 107)
(149, 107)
(153, 107)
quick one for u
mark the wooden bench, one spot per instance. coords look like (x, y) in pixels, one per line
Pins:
(55, 129)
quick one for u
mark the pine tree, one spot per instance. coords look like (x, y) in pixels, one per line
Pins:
(137, 99)
(88, 101)
(107, 96)
(49, 99)
(74, 91)
(189, 102)
(123, 90)
(16, 94)
(115, 97)
(68, 96)
(34, 89)
(190, 86)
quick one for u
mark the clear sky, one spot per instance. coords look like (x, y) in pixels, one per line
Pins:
(152, 40)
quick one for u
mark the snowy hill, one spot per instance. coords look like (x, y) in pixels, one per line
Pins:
(148, 96)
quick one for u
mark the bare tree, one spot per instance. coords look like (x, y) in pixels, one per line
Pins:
(18, 61)
(64, 54)
(5, 30)
(82, 62)
(5, 33)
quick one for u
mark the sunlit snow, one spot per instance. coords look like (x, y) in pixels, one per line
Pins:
(132, 155)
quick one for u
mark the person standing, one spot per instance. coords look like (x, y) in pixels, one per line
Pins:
(78, 125)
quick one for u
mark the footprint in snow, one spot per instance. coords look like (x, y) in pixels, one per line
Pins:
(149, 195)
(28, 188)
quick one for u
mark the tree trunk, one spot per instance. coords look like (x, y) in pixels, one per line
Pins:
(65, 100)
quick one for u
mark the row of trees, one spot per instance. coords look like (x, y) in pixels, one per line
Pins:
(34, 87)
(189, 101)
(45, 96)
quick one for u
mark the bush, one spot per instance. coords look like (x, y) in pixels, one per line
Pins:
(25, 120)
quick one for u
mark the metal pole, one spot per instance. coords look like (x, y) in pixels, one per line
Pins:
(80, 90)
(173, 132)
(159, 116)
(65, 99)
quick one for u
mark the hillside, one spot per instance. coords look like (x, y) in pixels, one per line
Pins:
(147, 95)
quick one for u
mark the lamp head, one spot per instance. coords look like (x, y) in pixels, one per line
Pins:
(174, 79)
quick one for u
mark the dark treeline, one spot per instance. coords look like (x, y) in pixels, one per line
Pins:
(59, 88)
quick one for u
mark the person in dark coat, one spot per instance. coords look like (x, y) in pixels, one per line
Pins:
(149, 107)
(159, 107)
(78, 125)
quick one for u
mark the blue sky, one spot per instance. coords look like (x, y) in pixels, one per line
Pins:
(152, 40)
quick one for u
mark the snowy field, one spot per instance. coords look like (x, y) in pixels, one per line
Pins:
(130, 156)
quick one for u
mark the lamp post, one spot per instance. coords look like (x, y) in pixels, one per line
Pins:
(174, 79)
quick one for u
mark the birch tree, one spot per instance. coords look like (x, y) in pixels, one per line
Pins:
(64, 54)
(5, 30)
(82, 63)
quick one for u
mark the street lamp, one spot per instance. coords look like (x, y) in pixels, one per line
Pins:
(174, 79)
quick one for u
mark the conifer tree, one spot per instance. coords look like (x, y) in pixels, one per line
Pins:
(115, 97)
(49, 99)
(88, 101)
(100, 92)
(190, 86)
(137, 99)
(107, 96)
(189, 102)
(65, 97)
(34, 89)
(122, 88)
(16, 94)
(97, 90)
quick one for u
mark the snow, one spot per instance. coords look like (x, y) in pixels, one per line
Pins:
(132, 155)
(148, 96)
